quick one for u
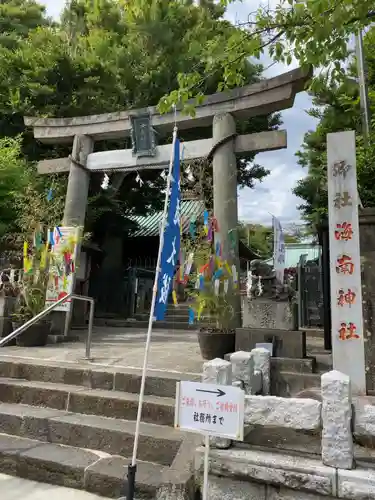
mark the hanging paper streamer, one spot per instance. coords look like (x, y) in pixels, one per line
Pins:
(191, 316)
(174, 297)
(217, 287)
(25, 250)
(215, 224)
(43, 258)
(105, 182)
(218, 249)
(139, 180)
(226, 286)
(228, 268)
(59, 232)
(197, 283)
(50, 194)
(210, 233)
(192, 229)
(204, 268)
(201, 282)
(189, 265)
(218, 274)
(205, 221)
(235, 277)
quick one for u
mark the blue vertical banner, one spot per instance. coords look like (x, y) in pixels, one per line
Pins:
(171, 247)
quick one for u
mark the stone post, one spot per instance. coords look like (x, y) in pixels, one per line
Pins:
(337, 438)
(367, 248)
(243, 370)
(218, 371)
(225, 198)
(75, 211)
(262, 362)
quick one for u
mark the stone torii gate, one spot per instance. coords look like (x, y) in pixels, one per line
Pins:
(218, 110)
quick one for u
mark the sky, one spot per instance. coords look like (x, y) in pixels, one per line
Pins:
(273, 195)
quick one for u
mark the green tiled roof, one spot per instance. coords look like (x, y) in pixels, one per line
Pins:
(293, 252)
(148, 225)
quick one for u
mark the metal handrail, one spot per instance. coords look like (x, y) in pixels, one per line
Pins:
(46, 311)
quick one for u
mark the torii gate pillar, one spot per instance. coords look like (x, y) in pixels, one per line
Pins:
(225, 198)
(78, 182)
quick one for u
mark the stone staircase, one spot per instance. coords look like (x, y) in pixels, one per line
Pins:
(176, 318)
(74, 426)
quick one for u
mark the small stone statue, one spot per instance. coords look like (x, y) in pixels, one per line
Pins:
(267, 283)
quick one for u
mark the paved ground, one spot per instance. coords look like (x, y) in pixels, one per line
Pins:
(171, 350)
(124, 347)
(14, 488)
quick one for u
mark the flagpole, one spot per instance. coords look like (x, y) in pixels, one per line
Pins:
(132, 469)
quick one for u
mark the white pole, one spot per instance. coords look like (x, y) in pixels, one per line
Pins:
(205, 466)
(362, 80)
(155, 291)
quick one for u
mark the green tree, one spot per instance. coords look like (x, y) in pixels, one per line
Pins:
(18, 18)
(111, 55)
(314, 32)
(260, 238)
(337, 107)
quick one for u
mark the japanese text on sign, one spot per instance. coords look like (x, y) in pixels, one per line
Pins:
(345, 264)
(172, 235)
(210, 409)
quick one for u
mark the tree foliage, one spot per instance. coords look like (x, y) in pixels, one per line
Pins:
(260, 238)
(337, 106)
(105, 56)
(314, 32)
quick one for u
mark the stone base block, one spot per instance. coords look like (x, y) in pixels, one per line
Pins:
(267, 313)
(281, 470)
(287, 343)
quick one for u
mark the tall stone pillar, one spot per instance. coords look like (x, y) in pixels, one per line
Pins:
(78, 183)
(367, 247)
(75, 211)
(225, 199)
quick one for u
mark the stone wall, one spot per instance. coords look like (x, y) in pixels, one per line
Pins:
(330, 454)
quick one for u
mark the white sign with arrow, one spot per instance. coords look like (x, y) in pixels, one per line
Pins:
(214, 410)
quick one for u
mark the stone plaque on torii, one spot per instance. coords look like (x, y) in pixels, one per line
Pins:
(219, 110)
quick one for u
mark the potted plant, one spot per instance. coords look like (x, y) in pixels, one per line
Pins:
(210, 288)
(30, 302)
(212, 308)
(33, 289)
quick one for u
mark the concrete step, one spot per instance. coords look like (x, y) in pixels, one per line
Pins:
(93, 376)
(158, 444)
(113, 404)
(164, 325)
(75, 468)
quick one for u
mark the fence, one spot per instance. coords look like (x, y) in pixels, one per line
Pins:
(310, 293)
